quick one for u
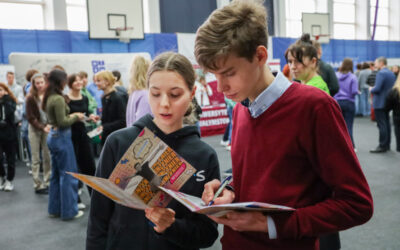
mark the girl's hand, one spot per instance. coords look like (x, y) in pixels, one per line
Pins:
(94, 118)
(47, 128)
(161, 217)
(81, 116)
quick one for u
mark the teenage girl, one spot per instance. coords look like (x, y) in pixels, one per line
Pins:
(303, 61)
(170, 80)
(114, 105)
(138, 103)
(38, 130)
(83, 153)
(63, 192)
(8, 136)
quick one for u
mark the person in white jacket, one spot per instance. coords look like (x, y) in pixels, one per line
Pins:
(203, 91)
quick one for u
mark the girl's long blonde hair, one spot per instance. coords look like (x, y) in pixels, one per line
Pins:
(396, 85)
(138, 73)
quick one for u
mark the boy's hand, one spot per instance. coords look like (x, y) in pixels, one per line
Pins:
(244, 221)
(161, 217)
(211, 187)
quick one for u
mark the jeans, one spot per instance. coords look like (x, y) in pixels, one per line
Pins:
(382, 120)
(357, 103)
(63, 192)
(228, 130)
(348, 111)
(364, 105)
(396, 125)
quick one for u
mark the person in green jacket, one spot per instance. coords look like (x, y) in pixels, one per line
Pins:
(63, 190)
(83, 76)
(302, 58)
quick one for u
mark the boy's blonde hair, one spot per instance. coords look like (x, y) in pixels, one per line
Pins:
(237, 28)
(106, 75)
(139, 68)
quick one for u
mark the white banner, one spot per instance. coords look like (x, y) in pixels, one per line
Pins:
(73, 63)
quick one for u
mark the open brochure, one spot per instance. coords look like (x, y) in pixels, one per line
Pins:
(147, 164)
(149, 170)
(195, 204)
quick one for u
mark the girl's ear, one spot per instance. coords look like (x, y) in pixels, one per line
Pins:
(193, 92)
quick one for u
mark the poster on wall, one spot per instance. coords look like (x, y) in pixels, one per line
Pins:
(73, 63)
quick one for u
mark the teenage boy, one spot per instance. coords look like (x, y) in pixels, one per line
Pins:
(290, 144)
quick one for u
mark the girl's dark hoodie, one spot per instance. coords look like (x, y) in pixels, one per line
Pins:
(7, 128)
(112, 226)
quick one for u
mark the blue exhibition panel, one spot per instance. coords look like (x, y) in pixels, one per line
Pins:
(55, 41)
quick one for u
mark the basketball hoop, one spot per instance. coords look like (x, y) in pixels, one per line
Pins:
(124, 34)
(319, 36)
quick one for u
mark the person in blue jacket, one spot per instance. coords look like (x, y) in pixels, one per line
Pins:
(383, 84)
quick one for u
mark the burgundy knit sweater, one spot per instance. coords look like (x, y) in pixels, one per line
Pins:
(297, 153)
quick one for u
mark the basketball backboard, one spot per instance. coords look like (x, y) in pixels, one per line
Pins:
(108, 18)
(317, 25)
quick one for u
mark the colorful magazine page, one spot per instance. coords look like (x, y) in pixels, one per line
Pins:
(147, 164)
(110, 190)
(196, 204)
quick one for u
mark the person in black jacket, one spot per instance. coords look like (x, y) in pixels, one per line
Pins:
(393, 103)
(114, 105)
(112, 226)
(326, 72)
(8, 136)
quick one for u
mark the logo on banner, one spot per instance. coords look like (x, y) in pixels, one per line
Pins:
(98, 66)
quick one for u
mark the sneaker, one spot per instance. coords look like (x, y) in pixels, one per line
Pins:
(42, 191)
(79, 191)
(79, 214)
(30, 172)
(2, 183)
(355, 150)
(228, 147)
(8, 186)
(224, 143)
(81, 206)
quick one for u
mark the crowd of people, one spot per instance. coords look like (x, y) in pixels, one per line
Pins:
(291, 134)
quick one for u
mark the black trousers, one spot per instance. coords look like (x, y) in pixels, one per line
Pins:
(382, 120)
(84, 154)
(9, 149)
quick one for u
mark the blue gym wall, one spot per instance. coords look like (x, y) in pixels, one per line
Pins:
(44, 41)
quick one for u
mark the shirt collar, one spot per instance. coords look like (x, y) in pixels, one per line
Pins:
(268, 96)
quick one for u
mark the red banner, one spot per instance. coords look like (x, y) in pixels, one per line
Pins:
(213, 120)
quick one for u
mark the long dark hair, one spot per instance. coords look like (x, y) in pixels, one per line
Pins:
(56, 80)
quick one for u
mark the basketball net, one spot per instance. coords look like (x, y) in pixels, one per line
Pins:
(124, 34)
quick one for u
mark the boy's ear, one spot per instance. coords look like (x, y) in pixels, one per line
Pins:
(262, 54)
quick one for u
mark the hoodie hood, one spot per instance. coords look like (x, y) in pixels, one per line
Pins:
(342, 76)
(187, 131)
